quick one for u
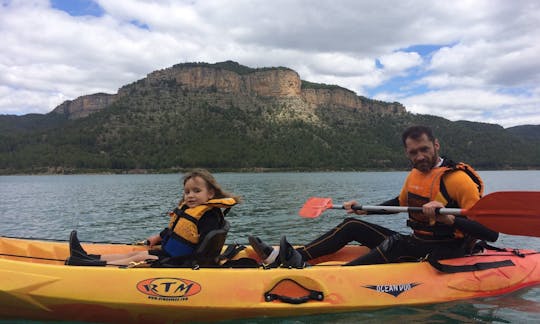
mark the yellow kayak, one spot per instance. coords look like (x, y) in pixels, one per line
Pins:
(35, 284)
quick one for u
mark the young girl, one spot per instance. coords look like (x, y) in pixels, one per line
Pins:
(198, 213)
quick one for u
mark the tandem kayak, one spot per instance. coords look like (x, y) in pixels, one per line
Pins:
(35, 284)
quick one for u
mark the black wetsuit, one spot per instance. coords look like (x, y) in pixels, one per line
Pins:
(388, 246)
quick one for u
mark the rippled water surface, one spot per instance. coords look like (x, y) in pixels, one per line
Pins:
(128, 208)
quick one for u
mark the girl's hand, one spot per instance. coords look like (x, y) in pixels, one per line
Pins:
(154, 240)
(348, 207)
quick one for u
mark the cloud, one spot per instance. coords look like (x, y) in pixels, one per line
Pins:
(399, 62)
(479, 49)
(505, 64)
(476, 105)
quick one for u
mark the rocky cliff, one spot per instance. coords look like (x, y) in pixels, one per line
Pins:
(337, 97)
(230, 77)
(269, 83)
(85, 105)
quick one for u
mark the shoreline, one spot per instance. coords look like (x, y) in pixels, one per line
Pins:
(73, 171)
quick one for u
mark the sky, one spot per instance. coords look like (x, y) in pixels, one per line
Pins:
(476, 60)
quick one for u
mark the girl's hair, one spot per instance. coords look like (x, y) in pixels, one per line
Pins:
(211, 183)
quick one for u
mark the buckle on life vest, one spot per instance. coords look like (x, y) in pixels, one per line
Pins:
(140, 264)
(424, 233)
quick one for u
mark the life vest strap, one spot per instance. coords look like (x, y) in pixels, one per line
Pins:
(436, 232)
(181, 213)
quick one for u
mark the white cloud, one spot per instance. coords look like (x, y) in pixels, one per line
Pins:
(443, 80)
(400, 61)
(503, 63)
(491, 49)
(31, 101)
(476, 105)
(339, 64)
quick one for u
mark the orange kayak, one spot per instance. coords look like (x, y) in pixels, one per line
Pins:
(35, 284)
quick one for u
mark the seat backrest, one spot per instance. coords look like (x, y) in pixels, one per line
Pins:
(210, 248)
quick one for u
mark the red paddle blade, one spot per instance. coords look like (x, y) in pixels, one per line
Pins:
(314, 207)
(510, 212)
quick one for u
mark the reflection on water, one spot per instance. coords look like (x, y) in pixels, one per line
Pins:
(128, 208)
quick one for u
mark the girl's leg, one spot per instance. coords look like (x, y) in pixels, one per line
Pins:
(126, 259)
(120, 256)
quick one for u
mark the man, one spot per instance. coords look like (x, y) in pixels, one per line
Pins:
(434, 182)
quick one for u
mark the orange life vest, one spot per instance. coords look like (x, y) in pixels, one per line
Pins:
(422, 188)
(184, 220)
(182, 234)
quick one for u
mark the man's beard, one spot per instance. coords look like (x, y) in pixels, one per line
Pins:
(426, 165)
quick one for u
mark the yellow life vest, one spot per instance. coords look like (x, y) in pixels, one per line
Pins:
(422, 188)
(184, 220)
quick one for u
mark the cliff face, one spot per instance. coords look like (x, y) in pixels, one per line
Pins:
(85, 105)
(273, 83)
(269, 83)
(279, 83)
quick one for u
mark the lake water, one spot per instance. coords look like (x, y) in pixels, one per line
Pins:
(128, 208)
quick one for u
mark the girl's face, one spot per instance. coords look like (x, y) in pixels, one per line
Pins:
(196, 192)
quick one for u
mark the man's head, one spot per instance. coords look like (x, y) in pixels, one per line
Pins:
(421, 147)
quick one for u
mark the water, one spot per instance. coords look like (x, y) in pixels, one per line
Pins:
(128, 208)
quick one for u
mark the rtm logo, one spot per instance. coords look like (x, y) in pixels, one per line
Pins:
(168, 287)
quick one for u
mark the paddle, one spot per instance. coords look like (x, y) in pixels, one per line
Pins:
(510, 212)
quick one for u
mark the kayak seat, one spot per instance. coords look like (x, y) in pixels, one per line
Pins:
(206, 254)
(208, 251)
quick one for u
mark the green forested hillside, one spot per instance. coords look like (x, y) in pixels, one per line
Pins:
(527, 132)
(163, 127)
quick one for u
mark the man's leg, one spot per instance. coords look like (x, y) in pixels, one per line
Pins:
(351, 229)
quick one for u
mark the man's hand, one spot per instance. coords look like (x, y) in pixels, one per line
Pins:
(430, 210)
(348, 207)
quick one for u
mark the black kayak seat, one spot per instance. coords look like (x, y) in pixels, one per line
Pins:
(208, 251)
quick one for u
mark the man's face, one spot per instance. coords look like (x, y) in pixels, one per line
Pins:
(422, 152)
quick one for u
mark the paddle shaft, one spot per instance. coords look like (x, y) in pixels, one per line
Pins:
(509, 212)
(401, 209)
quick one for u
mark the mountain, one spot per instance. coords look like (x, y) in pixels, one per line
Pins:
(228, 116)
(233, 79)
(526, 132)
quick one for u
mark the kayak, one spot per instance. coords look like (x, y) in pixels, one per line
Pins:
(36, 284)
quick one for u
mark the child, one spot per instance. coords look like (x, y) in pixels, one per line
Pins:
(198, 213)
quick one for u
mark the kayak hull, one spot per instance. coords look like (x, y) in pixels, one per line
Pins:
(35, 284)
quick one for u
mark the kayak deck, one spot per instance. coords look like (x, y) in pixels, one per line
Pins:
(34, 284)
(56, 252)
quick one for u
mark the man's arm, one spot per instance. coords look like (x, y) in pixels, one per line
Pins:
(466, 225)
(475, 229)
(462, 189)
